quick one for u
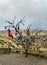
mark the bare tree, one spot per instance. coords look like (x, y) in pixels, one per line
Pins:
(27, 40)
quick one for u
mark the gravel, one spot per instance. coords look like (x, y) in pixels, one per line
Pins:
(19, 59)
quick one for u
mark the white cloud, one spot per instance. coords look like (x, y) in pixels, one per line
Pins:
(33, 9)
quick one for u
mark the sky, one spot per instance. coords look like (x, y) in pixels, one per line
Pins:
(35, 12)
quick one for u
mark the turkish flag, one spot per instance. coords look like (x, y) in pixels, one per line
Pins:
(10, 33)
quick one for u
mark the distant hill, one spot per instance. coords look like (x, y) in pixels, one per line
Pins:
(42, 32)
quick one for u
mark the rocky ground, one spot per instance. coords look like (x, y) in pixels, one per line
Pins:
(19, 59)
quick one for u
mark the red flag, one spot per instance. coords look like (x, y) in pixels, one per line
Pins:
(10, 33)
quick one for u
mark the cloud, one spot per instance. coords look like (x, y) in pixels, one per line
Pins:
(33, 9)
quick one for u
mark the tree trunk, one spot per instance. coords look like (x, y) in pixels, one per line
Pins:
(26, 52)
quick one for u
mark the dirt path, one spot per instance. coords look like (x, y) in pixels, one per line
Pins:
(18, 59)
